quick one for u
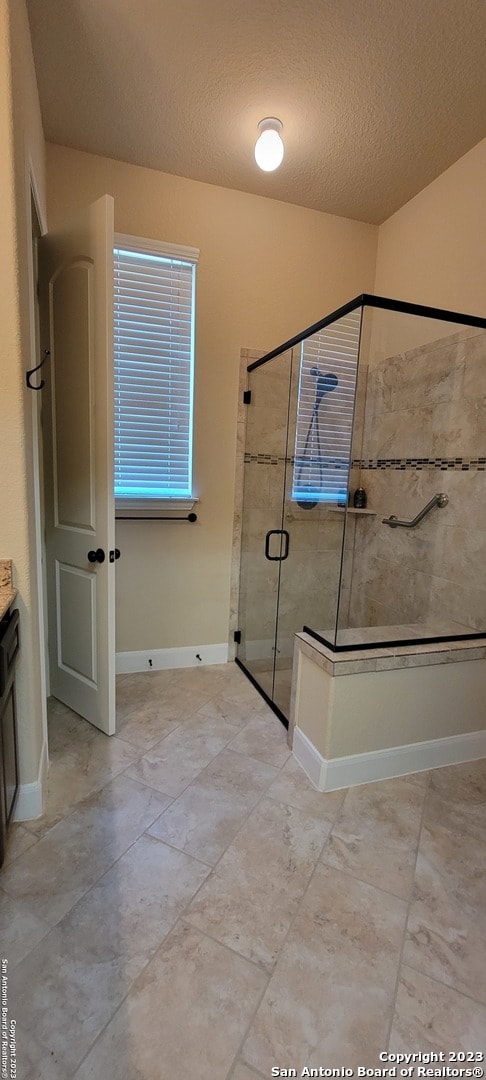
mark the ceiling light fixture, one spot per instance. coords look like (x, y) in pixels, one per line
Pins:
(269, 148)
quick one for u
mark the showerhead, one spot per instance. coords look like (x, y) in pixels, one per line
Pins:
(325, 383)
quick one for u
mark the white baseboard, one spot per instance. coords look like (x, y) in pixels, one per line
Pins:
(162, 659)
(336, 773)
(309, 759)
(30, 798)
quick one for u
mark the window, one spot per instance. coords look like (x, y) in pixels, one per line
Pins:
(154, 308)
(327, 384)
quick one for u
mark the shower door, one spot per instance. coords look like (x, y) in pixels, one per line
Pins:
(318, 475)
(264, 541)
(296, 538)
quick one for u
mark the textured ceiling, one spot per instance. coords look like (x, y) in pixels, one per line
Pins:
(377, 97)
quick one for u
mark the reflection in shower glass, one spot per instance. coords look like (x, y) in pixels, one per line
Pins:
(324, 424)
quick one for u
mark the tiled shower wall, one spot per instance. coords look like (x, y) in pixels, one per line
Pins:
(424, 432)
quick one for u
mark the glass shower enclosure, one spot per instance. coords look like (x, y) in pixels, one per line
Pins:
(381, 403)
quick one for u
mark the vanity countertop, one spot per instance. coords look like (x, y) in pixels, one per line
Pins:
(7, 590)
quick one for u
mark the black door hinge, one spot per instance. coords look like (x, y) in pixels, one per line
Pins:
(246, 397)
(237, 637)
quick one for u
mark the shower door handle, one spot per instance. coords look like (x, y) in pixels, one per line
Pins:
(282, 556)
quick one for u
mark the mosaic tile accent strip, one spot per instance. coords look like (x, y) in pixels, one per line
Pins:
(457, 464)
(272, 459)
(265, 459)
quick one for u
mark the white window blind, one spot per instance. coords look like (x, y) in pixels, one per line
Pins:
(327, 383)
(154, 307)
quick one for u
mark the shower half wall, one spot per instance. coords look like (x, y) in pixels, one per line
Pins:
(390, 398)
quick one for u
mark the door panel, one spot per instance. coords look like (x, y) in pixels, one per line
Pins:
(71, 298)
(76, 316)
(76, 591)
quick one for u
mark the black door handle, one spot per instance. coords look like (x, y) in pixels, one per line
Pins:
(114, 554)
(283, 555)
(96, 556)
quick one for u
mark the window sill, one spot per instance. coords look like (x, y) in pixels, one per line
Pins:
(152, 508)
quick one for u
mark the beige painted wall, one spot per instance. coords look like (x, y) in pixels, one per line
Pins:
(433, 250)
(396, 708)
(22, 141)
(267, 269)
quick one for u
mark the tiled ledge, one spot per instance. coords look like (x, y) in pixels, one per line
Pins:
(387, 659)
(7, 591)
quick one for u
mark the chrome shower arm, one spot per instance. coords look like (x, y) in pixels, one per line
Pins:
(437, 500)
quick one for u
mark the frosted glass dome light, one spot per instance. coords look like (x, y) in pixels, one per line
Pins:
(269, 148)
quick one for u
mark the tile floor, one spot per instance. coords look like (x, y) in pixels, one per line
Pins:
(189, 906)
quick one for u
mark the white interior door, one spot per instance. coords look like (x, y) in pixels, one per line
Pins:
(76, 315)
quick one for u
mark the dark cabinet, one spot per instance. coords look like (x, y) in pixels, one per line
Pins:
(9, 647)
